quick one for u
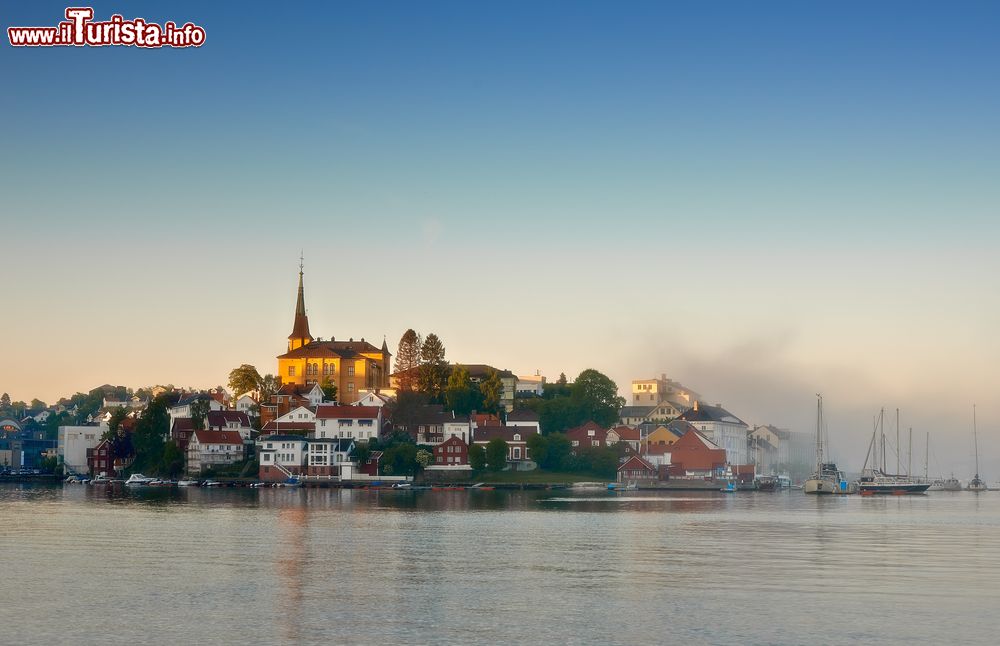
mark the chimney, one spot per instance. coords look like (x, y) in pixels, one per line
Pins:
(696, 405)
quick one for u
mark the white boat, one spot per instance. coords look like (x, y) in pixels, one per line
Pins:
(827, 479)
(187, 483)
(211, 483)
(137, 479)
(977, 483)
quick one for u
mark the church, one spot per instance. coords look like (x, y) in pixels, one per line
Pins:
(352, 366)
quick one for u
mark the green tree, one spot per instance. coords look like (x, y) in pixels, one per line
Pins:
(38, 404)
(596, 397)
(148, 438)
(477, 457)
(538, 447)
(433, 368)
(329, 390)
(496, 454)
(424, 458)
(459, 395)
(361, 452)
(492, 391)
(18, 409)
(173, 460)
(269, 384)
(244, 379)
(404, 411)
(4, 402)
(199, 411)
(400, 459)
(408, 360)
(118, 415)
(49, 465)
(558, 450)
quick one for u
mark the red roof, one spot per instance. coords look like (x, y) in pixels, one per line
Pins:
(627, 433)
(581, 433)
(635, 462)
(218, 437)
(485, 419)
(347, 412)
(223, 417)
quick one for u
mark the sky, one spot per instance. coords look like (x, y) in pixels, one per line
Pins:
(762, 200)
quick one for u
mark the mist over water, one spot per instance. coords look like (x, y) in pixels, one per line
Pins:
(342, 566)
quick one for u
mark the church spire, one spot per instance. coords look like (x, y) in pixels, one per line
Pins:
(300, 329)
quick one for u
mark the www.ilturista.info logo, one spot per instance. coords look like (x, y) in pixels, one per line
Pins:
(79, 30)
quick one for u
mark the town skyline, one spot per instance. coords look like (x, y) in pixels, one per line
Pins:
(765, 203)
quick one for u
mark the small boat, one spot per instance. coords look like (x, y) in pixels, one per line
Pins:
(211, 483)
(767, 483)
(187, 483)
(137, 479)
(874, 479)
(402, 485)
(623, 486)
(730, 487)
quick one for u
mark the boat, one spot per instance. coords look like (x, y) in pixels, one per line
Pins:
(767, 483)
(211, 483)
(730, 487)
(402, 485)
(137, 479)
(977, 483)
(874, 477)
(827, 479)
(187, 483)
(623, 486)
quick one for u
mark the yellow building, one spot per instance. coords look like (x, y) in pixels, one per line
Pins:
(352, 366)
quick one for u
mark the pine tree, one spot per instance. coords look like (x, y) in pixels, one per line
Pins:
(433, 368)
(408, 360)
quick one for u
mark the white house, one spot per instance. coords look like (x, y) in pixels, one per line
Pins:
(281, 457)
(721, 427)
(530, 385)
(232, 420)
(246, 404)
(73, 444)
(183, 407)
(330, 457)
(208, 449)
(526, 419)
(373, 398)
(360, 423)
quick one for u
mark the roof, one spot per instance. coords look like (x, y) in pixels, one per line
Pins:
(218, 437)
(331, 411)
(332, 349)
(522, 415)
(339, 443)
(435, 414)
(583, 431)
(289, 426)
(223, 417)
(482, 370)
(505, 433)
(485, 419)
(283, 438)
(636, 411)
(183, 424)
(679, 427)
(626, 432)
(634, 462)
(705, 413)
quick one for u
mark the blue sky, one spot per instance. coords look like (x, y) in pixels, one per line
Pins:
(767, 198)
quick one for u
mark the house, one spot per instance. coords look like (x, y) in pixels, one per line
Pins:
(281, 457)
(652, 392)
(722, 427)
(180, 432)
(360, 423)
(431, 424)
(220, 420)
(290, 397)
(524, 418)
(330, 457)
(183, 407)
(247, 403)
(212, 449)
(479, 420)
(628, 435)
(73, 443)
(636, 468)
(451, 454)
(589, 435)
(515, 437)
(696, 456)
(635, 415)
(530, 386)
(375, 397)
(658, 455)
(298, 421)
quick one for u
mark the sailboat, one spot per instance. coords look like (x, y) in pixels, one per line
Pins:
(977, 483)
(827, 479)
(874, 479)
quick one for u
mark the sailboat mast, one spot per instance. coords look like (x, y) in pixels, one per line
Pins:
(909, 455)
(897, 441)
(927, 452)
(819, 436)
(975, 438)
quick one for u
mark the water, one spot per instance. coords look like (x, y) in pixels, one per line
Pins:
(456, 567)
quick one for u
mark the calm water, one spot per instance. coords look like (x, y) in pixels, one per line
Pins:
(330, 566)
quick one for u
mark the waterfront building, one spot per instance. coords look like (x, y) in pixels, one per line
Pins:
(361, 423)
(696, 456)
(331, 457)
(589, 435)
(451, 455)
(281, 457)
(431, 424)
(635, 469)
(723, 428)
(213, 449)
(73, 443)
(517, 442)
(352, 366)
(232, 420)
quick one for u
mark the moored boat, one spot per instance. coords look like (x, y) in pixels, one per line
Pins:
(827, 479)
(977, 483)
(137, 479)
(874, 479)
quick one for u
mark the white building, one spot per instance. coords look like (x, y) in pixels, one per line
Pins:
(281, 457)
(360, 423)
(73, 444)
(246, 404)
(210, 449)
(530, 385)
(721, 427)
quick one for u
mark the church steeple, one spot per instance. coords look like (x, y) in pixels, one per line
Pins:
(300, 329)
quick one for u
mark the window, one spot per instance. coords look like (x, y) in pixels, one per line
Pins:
(576, 443)
(350, 370)
(517, 453)
(350, 387)
(517, 437)
(291, 371)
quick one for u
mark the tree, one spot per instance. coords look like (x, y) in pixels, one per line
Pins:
(269, 384)
(361, 452)
(173, 460)
(538, 447)
(406, 409)
(329, 389)
(199, 410)
(433, 368)
(38, 404)
(4, 402)
(496, 454)
(424, 458)
(118, 415)
(408, 360)
(492, 391)
(596, 397)
(460, 395)
(558, 451)
(148, 437)
(244, 379)
(477, 457)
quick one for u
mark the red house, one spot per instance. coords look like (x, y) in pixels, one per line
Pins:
(635, 468)
(451, 452)
(590, 435)
(694, 455)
